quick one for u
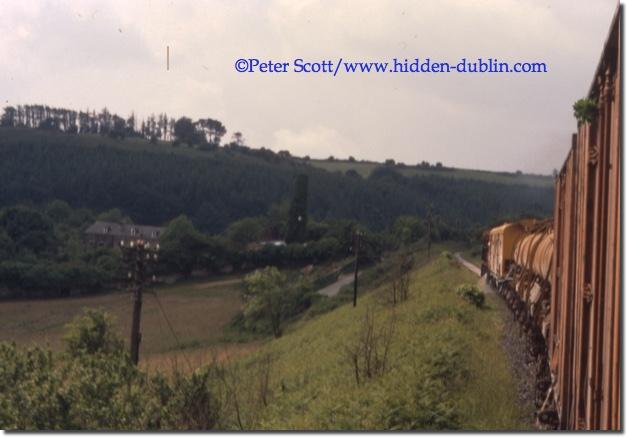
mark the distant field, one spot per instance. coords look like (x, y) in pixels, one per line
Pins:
(365, 169)
(198, 312)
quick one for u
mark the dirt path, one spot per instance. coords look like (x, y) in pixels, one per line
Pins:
(516, 346)
(471, 267)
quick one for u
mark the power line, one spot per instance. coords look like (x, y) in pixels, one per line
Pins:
(174, 335)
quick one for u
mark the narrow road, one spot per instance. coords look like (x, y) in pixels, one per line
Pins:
(333, 289)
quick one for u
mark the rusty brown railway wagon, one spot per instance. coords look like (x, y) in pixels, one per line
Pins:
(562, 278)
(584, 338)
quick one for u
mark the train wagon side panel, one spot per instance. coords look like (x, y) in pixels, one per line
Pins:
(584, 341)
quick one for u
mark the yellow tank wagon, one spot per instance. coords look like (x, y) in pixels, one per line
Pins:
(501, 244)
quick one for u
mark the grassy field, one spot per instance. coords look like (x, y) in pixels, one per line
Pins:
(447, 368)
(198, 312)
(365, 169)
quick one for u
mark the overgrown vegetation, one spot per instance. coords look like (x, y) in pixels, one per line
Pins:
(472, 294)
(584, 110)
(369, 353)
(399, 289)
(270, 298)
(94, 386)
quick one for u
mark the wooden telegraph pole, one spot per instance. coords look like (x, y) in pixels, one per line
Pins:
(136, 336)
(356, 251)
(138, 255)
(429, 231)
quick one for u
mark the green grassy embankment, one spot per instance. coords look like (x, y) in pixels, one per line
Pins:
(446, 368)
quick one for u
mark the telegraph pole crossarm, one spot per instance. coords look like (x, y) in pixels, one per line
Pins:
(139, 256)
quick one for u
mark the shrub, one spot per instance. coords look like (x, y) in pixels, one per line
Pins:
(584, 110)
(94, 386)
(91, 334)
(270, 295)
(369, 354)
(400, 288)
(193, 405)
(428, 409)
(29, 390)
(472, 294)
(429, 404)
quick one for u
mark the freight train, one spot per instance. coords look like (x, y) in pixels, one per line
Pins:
(518, 264)
(562, 276)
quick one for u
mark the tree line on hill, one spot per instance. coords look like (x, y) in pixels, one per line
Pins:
(203, 132)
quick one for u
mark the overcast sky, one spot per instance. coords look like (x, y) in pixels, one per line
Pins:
(91, 54)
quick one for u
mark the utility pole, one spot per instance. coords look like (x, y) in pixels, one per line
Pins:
(356, 251)
(429, 231)
(138, 256)
(136, 336)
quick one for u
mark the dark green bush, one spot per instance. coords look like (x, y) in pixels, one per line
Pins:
(584, 110)
(472, 294)
(431, 404)
(94, 386)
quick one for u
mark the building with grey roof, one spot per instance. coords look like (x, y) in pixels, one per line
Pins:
(111, 234)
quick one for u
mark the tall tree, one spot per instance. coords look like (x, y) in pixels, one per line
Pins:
(268, 294)
(182, 246)
(9, 117)
(297, 215)
(238, 138)
(185, 131)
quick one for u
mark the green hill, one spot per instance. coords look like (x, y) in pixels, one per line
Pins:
(154, 183)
